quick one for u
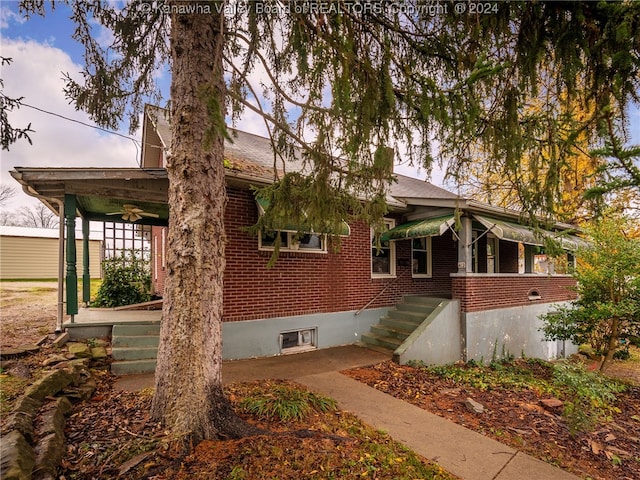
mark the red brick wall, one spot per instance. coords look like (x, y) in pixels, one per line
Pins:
(487, 292)
(303, 283)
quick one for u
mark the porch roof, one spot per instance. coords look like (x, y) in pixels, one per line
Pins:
(102, 194)
(429, 227)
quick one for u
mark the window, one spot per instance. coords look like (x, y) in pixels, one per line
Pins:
(485, 253)
(383, 258)
(421, 257)
(492, 254)
(311, 241)
(298, 340)
(291, 242)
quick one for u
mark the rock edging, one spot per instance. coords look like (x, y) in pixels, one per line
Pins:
(33, 441)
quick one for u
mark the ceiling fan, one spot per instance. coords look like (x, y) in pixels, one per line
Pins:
(132, 213)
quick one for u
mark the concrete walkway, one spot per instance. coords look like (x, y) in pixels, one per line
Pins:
(461, 451)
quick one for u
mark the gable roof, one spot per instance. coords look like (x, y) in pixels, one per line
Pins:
(408, 187)
(250, 157)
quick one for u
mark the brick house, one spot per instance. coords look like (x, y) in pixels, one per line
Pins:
(315, 297)
(455, 278)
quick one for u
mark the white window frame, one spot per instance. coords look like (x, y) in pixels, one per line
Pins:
(164, 248)
(496, 254)
(293, 245)
(429, 260)
(307, 339)
(155, 257)
(389, 223)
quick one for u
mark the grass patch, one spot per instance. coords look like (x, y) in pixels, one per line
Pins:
(10, 388)
(589, 397)
(284, 402)
(523, 374)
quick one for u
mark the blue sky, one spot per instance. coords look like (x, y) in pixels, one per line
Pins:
(42, 49)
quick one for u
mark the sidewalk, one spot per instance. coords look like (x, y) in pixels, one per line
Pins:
(458, 450)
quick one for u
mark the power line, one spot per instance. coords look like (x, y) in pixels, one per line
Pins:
(78, 121)
(135, 142)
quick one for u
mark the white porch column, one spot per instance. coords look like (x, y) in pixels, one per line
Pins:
(465, 259)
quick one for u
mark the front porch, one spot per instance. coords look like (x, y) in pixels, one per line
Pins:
(99, 322)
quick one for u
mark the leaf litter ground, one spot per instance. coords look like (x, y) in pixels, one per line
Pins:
(514, 415)
(112, 436)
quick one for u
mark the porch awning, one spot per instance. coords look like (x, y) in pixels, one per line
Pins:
(342, 229)
(514, 232)
(429, 227)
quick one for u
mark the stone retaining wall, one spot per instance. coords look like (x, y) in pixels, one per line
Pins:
(33, 449)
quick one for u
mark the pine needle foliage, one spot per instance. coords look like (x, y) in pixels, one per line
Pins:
(341, 83)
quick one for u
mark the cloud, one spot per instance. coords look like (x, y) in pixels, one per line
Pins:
(8, 16)
(36, 75)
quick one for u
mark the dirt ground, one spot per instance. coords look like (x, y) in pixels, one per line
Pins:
(27, 312)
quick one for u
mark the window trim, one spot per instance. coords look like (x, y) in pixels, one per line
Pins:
(390, 223)
(164, 248)
(496, 254)
(293, 245)
(429, 252)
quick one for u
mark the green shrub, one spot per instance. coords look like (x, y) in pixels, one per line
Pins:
(126, 280)
(285, 402)
(591, 396)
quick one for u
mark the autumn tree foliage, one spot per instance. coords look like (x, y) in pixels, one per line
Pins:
(607, 310)
(344, 90)
(497, 184)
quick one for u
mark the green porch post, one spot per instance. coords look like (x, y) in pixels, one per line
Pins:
(86, 277)
(71, 278)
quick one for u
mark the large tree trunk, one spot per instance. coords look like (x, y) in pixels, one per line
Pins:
(189, 398)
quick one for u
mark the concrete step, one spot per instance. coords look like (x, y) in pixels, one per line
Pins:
(134, 353)
(407, 315)
(132, 329)
(435, 301)
(424, 308)
(135, 341)
(399, 324)
(376, 348)
(130, 367)
(386, 331)
(386, 342)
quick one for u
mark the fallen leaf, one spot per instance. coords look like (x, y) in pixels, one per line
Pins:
(132, 463)
(596, 447)
(619, 451)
